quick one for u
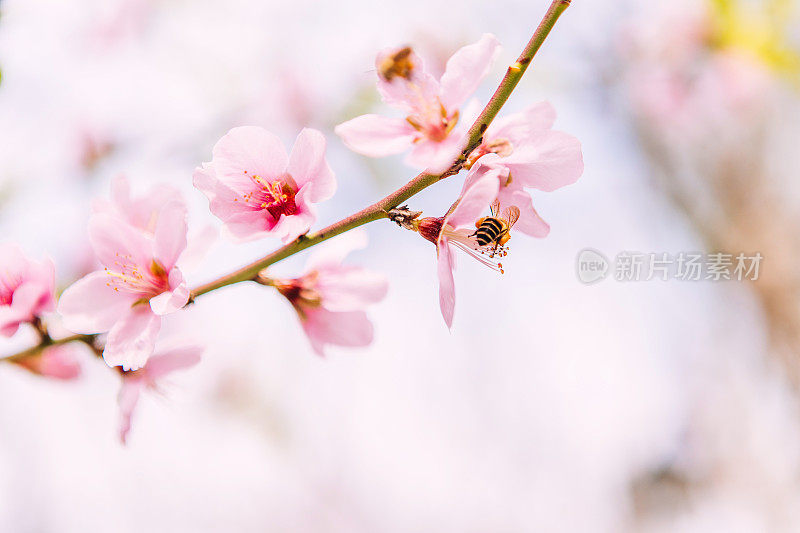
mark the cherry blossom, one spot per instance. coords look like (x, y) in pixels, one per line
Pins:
(258, 191)
(134, 382)
(431, 106)
(530, 155)
(139, 283)
(330, 297)
(457, 230)
(26, 288)
(141, 211)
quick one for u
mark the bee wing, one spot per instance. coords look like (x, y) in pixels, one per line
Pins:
(511, 215)
(495, 207)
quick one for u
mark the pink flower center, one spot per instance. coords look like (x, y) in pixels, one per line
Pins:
(127, 276)
(434, 124)
(301, 292)
(276, 196)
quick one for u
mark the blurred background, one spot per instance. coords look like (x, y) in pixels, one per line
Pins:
(646, 406)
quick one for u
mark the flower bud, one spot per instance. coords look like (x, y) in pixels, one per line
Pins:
(431, 228)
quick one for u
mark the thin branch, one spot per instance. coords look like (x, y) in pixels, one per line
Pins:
(379, 209)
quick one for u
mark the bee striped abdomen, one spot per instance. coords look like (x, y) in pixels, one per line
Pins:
(489, 231)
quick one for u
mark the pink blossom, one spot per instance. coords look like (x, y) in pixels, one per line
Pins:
(256, 190)
(457, 230)
(147, 377)
(431, 106)
(58, 362)
(139, 284)
(26, 288)
(330, 297)
(529, 154)
(140, 212)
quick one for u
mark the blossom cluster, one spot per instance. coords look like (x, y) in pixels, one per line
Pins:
(257, 190)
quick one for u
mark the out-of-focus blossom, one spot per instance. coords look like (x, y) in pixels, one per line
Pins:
(139, 284)
(140, 212)
(257, 190)
(147, 377)
(58, 362)
(26, 288)
(529, 154)
(330, 297)
(457, 230)
(710, 77)
(432, 106)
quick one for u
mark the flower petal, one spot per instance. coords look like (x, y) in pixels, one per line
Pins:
(436, 157)
(376, 135)
(350, 288)
(163, 363)
(350, 328)
(174, 299)
(547, 162)
(465, 70)
(113, 239)
(170, 234)
(447, 287)
(91, 305)
(251, 149)
(132, 339)
(307, 164)
(127, 399)
(478, 194)
(529, 221)
(519, 127)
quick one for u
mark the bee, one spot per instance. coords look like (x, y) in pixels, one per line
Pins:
(397, 64)
(495, 229)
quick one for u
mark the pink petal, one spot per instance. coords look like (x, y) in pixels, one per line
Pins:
(251, 149)
(351, 328)
(521, 126)
(113, 239)
(90, 305)
(529, 221)
(466, 69)
(127, 399)
(350, 288)
(376, 135)
(547, 162)
(307, 164)
(478, 194)
(248, 225)
(447, 287)
(132, 339)
(10, 320)
(436, 157)
(174, 299)
(170, 234)
(163, 363)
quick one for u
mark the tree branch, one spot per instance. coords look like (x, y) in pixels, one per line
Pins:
(379, 209)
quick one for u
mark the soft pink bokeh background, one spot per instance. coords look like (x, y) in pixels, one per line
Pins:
(549, 406)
